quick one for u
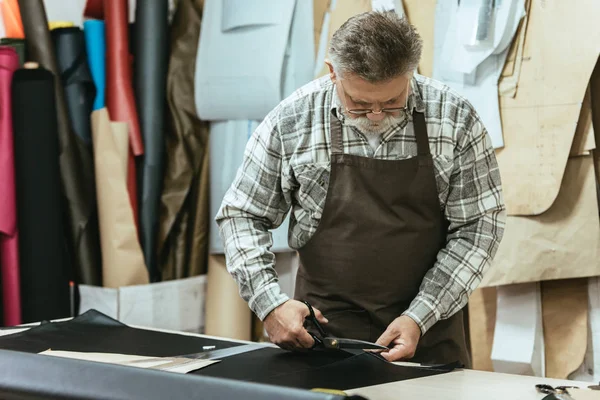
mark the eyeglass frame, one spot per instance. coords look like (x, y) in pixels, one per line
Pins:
(366, 111)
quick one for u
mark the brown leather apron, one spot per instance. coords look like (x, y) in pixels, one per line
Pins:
(380, 232)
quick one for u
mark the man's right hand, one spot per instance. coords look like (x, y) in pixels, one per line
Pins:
(285, 325)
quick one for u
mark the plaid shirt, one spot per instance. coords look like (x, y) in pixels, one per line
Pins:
(286, 169)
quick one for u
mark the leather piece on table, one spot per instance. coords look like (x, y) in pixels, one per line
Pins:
(184, 221)
(9, 234)
(77, 379)
(93, 331)
(150, 81)
(18, 45)
(120, 99)
(317, 369)
(565, 318)
(80, 91)
(44, 271)
(76, 165)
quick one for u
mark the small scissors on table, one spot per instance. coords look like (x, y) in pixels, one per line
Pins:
(331, 342)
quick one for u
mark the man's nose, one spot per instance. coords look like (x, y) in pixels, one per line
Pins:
(376, 116)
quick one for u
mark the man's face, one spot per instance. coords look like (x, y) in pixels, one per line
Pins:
(385, 101)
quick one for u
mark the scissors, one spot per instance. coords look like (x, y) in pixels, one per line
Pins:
(335, 343)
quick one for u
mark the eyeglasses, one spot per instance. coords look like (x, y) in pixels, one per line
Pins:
(365, 111)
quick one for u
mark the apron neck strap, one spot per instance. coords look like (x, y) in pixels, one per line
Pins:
(420, 128)
(421, 133)
(337, 146)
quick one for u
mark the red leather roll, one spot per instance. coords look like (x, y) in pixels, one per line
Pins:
(9, 237)
(94, 9)
(120, 100)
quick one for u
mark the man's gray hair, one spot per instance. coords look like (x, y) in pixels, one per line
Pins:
(376, 45)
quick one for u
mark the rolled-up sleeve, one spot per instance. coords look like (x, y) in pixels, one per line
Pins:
(252, 206)
(476, 212)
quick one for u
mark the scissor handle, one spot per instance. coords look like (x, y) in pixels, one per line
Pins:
(314, 320)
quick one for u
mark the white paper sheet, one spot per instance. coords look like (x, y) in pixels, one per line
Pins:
(480, 86)
(518, 336)
(228, 141)
(299, 59)
(241, 60)
(503, 25)
(170, 364)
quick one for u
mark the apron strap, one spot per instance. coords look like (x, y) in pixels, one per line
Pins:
(335, 126)
(421, 133)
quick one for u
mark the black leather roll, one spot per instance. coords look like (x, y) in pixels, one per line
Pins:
(76, 163)
(35, 376)
(43, 265)
(18, 45)
(150, 47)
(80, 91)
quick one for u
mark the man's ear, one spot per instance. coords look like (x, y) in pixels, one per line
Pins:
(332, 75)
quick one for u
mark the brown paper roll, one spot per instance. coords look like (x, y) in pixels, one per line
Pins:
(122, 258)
(121, 137)
(227, 314)
(482, 321)
(565, 316)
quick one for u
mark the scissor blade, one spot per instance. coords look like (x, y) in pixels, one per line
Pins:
(342, 343)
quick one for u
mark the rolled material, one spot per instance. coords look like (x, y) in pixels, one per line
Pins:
(227, 315)
(18, 45)
(184, 219)
(80, 91)
(120, 100)
(9, 236)
(151, 60)
(44, 274)
(122, 258)
(11, 14)
(94, 9)
(76, 165)
(95, 43)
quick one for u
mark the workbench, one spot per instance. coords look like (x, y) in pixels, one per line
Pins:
(261, 374)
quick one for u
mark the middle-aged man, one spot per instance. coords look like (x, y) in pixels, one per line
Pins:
(395, 198)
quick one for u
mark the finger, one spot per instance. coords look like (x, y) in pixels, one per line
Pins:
(386, 337)
(320, 317)
(305, 339)
(398, 352)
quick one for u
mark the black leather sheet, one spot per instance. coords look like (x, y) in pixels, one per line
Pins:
(33, 376)
(93, 331)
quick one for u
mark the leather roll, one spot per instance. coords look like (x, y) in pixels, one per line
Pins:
(184, 215)
(95, 43)
(120, 99)
(76, 165)
(94, 9)
(151, 61)
(80, 91)
(9, 234)
(18, 45)
(43, 262)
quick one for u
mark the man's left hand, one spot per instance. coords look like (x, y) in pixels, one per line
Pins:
(402, 336)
